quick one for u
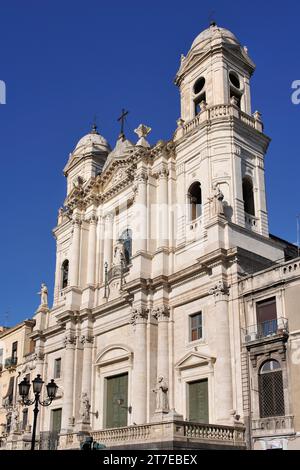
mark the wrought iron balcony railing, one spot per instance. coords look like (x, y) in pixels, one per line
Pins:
(270, 328)
(10, 362)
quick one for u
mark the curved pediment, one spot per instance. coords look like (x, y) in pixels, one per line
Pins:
(194, 359)
(114, 353)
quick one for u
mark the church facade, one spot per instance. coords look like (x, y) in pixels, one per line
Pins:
(170, 321)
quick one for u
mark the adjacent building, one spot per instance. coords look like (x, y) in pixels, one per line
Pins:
(15, 349)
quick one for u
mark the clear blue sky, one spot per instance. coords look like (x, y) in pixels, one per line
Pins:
(65, 61)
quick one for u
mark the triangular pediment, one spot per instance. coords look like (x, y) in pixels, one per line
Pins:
(194, 359)
(117, 173)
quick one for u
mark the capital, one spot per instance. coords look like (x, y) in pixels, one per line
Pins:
(139, 315)
(161, 313)
(219, 290)
(92, 219)
(76, 221)
(86, 339)
(162, 173)
(69, 340)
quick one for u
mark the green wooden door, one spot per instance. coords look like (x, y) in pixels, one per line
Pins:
(198, 401)
(56, 420)
(116, 401)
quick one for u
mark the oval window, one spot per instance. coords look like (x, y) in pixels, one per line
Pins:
(199, 85)
(234, 79)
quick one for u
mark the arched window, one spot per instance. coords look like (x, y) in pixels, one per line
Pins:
(248, 196)
(235, 89)
(64, 273)
(200, 95)
(270, 387)
(195, 200)
(126, 238)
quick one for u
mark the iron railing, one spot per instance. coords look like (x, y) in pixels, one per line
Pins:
(10, 362)
(278, 326)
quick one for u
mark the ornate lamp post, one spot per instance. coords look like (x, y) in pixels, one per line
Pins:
(37, 385)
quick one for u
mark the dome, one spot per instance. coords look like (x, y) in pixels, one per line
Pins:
(216, 34)
(92, 142)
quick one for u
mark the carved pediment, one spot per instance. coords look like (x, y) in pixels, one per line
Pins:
(115, 353)
(117, 175)
(194, 359)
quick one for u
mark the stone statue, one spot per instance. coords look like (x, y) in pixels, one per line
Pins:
(161, 390)
(85, 408)
(119, 253)
(44, 295)
(14, 426)
(217, 199)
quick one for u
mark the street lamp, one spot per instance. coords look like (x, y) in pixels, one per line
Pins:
(37, 385)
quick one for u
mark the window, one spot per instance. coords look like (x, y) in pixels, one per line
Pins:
(196, 326)
(234, 80)
(270, 387)
(14, 351)
(200, 103)
(195, 200)
(266, 314)
(235, 91)
(57, 368)
(199, 85)
(65, 274)
(199, 91)
(9, 396)
(248, 196)
(126, 238)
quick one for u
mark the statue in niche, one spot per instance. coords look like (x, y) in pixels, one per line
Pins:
(14, 426)
(44, 295)
(119, 253)
(161, 390)
(217, 200)
(85, 408)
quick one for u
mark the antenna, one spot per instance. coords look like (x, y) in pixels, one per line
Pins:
(6, 317)
(298, 234)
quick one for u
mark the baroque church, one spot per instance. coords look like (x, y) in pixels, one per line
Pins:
(174, 322)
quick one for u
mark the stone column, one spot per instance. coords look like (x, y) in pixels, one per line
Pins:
(222, 368)
(140, 214)
(139, 321)
(75, 253)
(99, 251)
(162, 210)
(86, 387)
(68, 382)
(108, 231)
(162, 316)
(91, 263)
(87, 361)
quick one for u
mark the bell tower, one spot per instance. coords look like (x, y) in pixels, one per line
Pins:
(220, 144)
(216, 70)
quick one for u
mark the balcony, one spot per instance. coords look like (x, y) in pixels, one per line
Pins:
(11, 362)
(219, 112)
(268, 330)
(161, 434)
(273, 426)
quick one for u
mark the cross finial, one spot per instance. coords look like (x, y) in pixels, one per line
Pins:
(122, 120)
(212, 21)
(94, 126)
